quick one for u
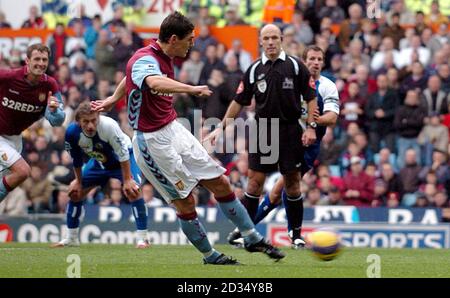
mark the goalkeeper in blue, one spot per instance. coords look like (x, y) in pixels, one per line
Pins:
(100, 142)
(326, 115)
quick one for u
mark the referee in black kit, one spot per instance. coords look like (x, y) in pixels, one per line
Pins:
(278, 82)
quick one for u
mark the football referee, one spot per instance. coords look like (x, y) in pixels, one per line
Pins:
(278, 82)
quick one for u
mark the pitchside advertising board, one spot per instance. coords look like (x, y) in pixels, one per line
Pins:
(359, 227)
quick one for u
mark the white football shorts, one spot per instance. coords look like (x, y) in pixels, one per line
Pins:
(10, 149)
(173, 160)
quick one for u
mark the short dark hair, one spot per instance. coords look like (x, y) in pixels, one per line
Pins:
(38, 47)
(83, 109)
(177, 24)
(312, 48)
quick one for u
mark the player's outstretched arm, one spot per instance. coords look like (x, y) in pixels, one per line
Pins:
(106, 105)
(167, 85)
(54, 112)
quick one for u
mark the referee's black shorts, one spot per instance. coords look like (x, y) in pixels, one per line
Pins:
(288, 142)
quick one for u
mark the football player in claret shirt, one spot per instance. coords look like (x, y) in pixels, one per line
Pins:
(27, 94)
(106, 150)
(169, 156)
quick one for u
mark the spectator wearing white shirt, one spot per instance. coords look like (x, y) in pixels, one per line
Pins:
(387, 46)
(244, 57)
(406, 41)
(416, 48)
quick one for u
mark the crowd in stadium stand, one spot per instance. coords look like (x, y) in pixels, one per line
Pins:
(392, 71)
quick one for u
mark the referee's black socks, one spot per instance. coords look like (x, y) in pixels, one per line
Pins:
(251, 203)
(294, 214)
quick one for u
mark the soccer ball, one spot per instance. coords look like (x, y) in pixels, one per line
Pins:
(324, 243)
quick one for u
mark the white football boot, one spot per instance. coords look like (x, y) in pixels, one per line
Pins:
(67, 242)
(142, 243)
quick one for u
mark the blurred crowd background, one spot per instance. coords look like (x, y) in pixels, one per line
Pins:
(389, 59)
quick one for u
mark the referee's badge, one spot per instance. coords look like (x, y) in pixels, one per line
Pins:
(262, 86)
(288, 83)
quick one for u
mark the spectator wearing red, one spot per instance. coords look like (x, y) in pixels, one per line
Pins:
(57, 44)
(393, 200)
(358, 186)
(367, 85)
(352, 106)
(353, 150)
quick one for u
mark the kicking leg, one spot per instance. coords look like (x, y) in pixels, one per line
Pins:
(196, 233)
(250, 202)
(269, 202)
(237, 214)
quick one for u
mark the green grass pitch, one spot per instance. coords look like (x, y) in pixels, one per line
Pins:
(39, 260)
